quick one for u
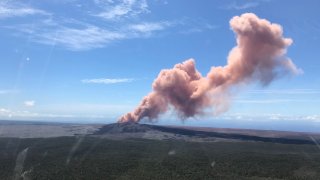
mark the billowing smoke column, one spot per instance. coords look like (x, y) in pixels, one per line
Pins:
(258, 57)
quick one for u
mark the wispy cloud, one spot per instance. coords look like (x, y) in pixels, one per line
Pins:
(124, 21)
(7, 113)
(79, 39)
(107, 81)
(67, 111)
(237, 6)
(274, 101)
(8, 91)
(271, 117)
(263, 101)
(30, 103)
(315, 118)
(82, 36)
(286, 91)
(199, 28)
(77, 35)
(4, 111)
(147, 27)
(114, 10)
(8, 10)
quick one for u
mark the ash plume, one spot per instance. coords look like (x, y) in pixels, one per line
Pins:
(258, 57)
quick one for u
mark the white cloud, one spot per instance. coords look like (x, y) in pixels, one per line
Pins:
(114, 10)
(6, 113)
(315, 118)
(8, 91)
(286, 91)
(270, 117)
(236, 6)
(79, 39)
(8, 10)
(29, 103)
(3, 110)
(199, 28)
(107, 81)
(148, 27)
(91, 36)
(76, 35)
(263, 101)
(68, 111)
(273, 101)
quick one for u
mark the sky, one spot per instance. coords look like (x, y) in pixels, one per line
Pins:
(92, 61)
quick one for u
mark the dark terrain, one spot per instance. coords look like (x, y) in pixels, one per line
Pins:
(200, 134)
(135, 151)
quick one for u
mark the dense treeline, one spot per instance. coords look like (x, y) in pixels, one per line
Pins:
(97, 158)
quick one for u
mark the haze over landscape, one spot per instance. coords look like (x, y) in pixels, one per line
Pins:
(235, 64)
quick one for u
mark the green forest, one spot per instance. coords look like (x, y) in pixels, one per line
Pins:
(101, 158)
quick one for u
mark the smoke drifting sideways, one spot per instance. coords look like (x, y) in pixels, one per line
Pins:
(258, 57)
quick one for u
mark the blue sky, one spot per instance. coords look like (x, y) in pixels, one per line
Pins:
(92, 61)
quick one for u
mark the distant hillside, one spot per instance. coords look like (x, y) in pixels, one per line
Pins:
(122, 130)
